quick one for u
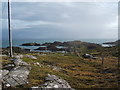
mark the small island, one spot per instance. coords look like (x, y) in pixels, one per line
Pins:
(31, 44)
(64, 46)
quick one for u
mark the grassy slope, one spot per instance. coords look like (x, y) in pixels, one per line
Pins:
(78, 72)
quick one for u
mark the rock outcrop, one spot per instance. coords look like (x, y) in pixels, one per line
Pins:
(31, 57)
(18, 62)
(16, 76)
(15, 73)
(52, 81)
(55, 68)
(87, 56)
(116, 43)
(19, 56)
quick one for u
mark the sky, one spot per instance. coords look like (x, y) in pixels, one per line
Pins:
(62, 20)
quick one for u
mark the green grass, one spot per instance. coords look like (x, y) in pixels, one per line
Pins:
(77, 71)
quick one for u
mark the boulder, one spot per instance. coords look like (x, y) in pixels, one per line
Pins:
(18, 62)
(95, 58)
(53, 81)
(3, 73)
(34, 87)
(31, 57)
(42, 54)
(55, 68)
(9, 66)
(16, 76)
(87, 56)
(18, 56)
(38, 64)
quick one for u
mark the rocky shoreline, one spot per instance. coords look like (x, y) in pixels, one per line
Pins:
(62, 46)
(116, 43)
(53, 47)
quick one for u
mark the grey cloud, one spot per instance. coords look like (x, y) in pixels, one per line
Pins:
(65, 20)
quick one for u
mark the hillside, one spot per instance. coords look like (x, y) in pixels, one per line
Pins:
(77, 71)
(99, 69)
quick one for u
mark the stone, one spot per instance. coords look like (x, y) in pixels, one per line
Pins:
(34, 87)
(95, 58)
(87, 56)
(18, 62)
(16, 76)
(42, 54)
(51, 77)
(18, 56)
(31, 57)
(55, 86)
(9, 65)
(3, 72)
(38, 64)
(56, 68)
(53, 81)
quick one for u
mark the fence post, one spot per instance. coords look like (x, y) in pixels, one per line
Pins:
(102, 59)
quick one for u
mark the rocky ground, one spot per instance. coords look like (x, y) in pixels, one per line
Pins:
(55, 70)
(16, 72)
(85, 65)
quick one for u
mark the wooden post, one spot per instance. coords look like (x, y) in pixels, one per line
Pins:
(102, 59)
(9, 28)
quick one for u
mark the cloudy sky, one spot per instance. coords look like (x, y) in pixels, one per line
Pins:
(62, 20)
